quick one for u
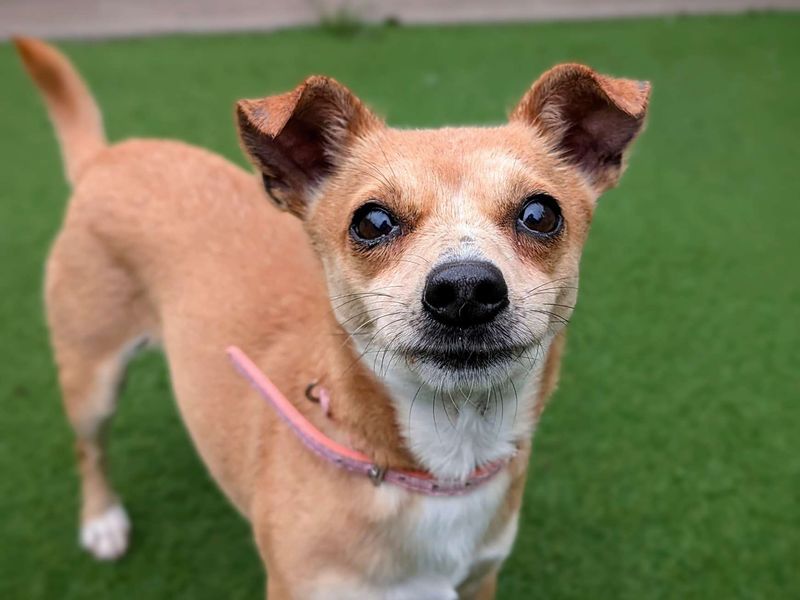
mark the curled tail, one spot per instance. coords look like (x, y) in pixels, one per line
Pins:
(73, 111)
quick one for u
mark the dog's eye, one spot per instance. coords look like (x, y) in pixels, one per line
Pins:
(372, 224)
(540, 215)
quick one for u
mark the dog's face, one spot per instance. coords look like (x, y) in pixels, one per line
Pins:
(453, 252)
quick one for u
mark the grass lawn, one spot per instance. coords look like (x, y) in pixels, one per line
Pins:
(668, 464)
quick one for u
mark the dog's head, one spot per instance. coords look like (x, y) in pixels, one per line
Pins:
(453, 252)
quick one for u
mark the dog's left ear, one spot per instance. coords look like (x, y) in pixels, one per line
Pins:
(589, 118)
(297, 139)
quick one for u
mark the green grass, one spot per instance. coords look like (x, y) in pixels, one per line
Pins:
(667, 465)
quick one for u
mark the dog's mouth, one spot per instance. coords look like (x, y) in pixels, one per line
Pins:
(465, 359)
(483, 354)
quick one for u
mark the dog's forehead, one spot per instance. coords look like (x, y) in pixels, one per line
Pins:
(456, 151)
(476, 161)
(454, 168)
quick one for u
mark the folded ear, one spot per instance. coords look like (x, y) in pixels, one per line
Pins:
(296, 139)
(590, 118)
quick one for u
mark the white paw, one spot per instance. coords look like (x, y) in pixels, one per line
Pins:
(106, 536)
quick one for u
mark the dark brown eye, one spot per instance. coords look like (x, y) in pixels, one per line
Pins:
(373, 224)
(540, 215)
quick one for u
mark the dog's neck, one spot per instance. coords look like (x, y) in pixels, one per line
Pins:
(403, 424)
(362, 413)
(452, 432)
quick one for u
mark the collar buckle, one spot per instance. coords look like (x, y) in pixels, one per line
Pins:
(376, 475)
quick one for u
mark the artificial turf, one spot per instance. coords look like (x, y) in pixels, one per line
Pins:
(668, 464)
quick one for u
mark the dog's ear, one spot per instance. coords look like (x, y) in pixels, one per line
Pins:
(590, 119)
(296, 139)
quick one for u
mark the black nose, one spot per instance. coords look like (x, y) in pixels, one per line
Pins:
(465, 293)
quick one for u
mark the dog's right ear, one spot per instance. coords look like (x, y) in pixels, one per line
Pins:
(296, 139)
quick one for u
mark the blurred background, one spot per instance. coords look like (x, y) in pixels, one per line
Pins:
(668, 463)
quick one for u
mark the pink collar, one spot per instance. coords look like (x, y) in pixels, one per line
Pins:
(347, 458)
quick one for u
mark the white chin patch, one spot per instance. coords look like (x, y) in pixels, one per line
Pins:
(472, 380)
(454, 420)
(106, 536)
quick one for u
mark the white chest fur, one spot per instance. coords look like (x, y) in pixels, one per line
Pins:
(428, 546)
(446, 536)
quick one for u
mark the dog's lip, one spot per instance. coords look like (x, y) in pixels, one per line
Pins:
(464, 358)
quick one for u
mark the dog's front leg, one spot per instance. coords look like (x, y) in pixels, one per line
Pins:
(277, 587)
(483, 588)
(276, 590)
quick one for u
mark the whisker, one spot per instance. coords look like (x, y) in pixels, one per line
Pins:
(386, 158)
(433, 404)
(563, 320)
(370, 321)
(502, 411)
(422, 258)
(388, 287)
(542, 292)
(516, 401)
(411, 407)
(568, 306)
(406, 259)
(550, 282)
(446, 413)
(366, 349)
(379, 302)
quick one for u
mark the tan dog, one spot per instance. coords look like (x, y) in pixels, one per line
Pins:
(421, 277)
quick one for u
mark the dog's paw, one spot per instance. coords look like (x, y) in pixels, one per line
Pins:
(106, 536)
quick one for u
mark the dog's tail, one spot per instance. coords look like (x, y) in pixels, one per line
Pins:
(72, 109)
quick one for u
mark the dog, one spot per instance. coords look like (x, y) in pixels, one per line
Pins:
(397, 299)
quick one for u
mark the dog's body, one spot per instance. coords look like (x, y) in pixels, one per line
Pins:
(171, 245)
